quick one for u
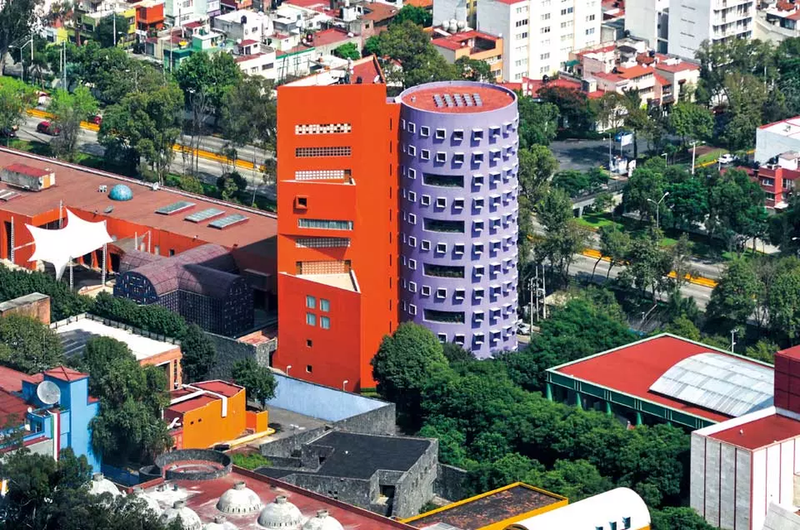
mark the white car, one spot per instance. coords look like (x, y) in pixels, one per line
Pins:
(727, 158)
(523, 328)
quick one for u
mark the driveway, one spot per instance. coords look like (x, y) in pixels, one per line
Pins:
(585, 154)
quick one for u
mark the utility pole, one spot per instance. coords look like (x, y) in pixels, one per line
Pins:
(114, 26)
(694, 154)
(64, 64)
(532, 292)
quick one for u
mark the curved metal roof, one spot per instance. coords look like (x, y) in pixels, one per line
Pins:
(719, 382)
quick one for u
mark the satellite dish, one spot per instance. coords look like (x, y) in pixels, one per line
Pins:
(48, 392)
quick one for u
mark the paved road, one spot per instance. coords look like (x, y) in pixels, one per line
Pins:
(585, 154)
(582, 268)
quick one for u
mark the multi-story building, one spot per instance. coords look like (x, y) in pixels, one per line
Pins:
(693, 21)
(475, 45)
(649, 20)
(538, 35)
(459, 187)
(777, 22)
(337, 243)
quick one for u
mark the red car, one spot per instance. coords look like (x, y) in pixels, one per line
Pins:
(47, 128)
(96, 119)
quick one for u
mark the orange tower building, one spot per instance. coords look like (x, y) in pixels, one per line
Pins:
(337, 231)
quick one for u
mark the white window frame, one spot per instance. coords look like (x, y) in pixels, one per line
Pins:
(441, 248)
(426, 290)
(425, 245)
(441, 134)
(424, 131)
(441, 157)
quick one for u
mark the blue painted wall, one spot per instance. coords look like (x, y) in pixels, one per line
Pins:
(319, 401)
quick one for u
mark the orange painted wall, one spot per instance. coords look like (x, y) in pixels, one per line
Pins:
(173, 369)
(358, 320)
(204, 426)
(257, 421)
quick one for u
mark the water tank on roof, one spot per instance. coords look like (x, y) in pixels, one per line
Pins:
(120, 192)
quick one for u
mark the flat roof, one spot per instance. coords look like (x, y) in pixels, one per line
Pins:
(78, 188)
(202, 497)
(492, 97)
(75, 335)
(789, 128)
(634, 368)
(508, 503)
(759, 432)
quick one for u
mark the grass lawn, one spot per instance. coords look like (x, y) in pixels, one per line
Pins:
(597, 220)
(711, 156)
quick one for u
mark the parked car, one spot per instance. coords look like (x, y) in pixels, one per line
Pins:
(48, 128)
(523, 328)
(97, 119)
(727, 158)
(8, 132)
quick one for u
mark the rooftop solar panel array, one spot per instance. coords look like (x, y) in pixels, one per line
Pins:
(457, 100)
(175, 207)
(227, 221)
(7, 195)
(203, 215)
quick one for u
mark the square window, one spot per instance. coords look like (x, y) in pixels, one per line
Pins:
(478, 202)
(325, 322)
(478, 316)
(459, 339)
(459, 294)
(458, 135)
(412, 309)
(441, 157)
(442, 337)
(458, 248)
(412, 151)
(309, 368)
(425, 154)
(412, 264)
(494, 154)
(412, 173)
(309, 343)
(477, 225)
(311, 319)
(412, 287)
(477, 157)
(458, 204)
(412, 241)
(441, 248)
(411, 127)
(441, 293)
(425, 245)
(426, 290)
(425, 200)
(458, 158)
(477, 134)
(412, 196)
(478, 248)
(478, 338)
(311, 302)
(324, 305)
(478, 293)
(441, 134)
(441, 202)
(494, 131)
(301, 203)
(479, 270)
(412, 219)
(424, 131)
(477, 180)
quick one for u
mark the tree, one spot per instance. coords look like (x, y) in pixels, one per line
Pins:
(687, 202)
(563, 236)
(736, 208)
(572, 181)
(636, 117)
(538, 122)
(249, 114)
(408, 44)
(672, 517)
(257, 380)
(536, 167)
(784, 300)
(746, 96)
(609, 110)
(417, 15)
(144, 124)
(574, 479)
(199, 355)
(614, 245)
(104, 31)
(405, 362)
(690, 120)
(348, 50)
(456, 354)
(648, 265)
(372, 46)
(452, 440)
(68, 111)
(32, 346)
(63, 301)
(474, 69)
(210, 74)
(15, 99)
(230, 185)
(682, 326)
(764, 350)
(644, 188)
(17, 19)
(734, 296)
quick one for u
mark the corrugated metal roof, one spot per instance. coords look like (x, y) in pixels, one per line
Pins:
(718, 382)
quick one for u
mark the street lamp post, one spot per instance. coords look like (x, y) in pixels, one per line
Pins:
(344, 385)
(658, 207)
(694, 154)
(734, 331)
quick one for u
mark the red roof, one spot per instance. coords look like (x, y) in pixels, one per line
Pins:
(368, 70)
(248, 42)
(192, 404)
(643, 363)
(378, 12)
(662, 81)
(28, 170)
(426, 4)
(220, 387)
(457, 40)
(11, 380)
(635, 71)
(511, 2)
(11, 405)
(677, 66)
(329, 36)
(62, 373)
(761, 432)
(493, 98)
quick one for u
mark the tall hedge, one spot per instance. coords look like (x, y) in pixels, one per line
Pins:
(63, 301)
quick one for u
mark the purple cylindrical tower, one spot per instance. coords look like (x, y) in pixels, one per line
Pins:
(459, 188)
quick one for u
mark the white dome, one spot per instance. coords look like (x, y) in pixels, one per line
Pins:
(189, 519)
(219, 524)
(323, 521)
(280, 514)
(101, 485)
(149, 502)
(239, 500)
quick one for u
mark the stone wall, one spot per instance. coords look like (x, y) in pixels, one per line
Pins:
(284, 447)
(205, 455)
(415, 488)
(377, 421)
(231, 350)
(352, 491)
(451, 483)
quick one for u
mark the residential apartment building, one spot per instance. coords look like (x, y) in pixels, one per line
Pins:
(693, 21)
(649, 20)
(777, 22)
(475, 45)
(538, 35)
(337, 224)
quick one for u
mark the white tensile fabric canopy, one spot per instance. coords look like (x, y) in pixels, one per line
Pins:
(59, 247)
